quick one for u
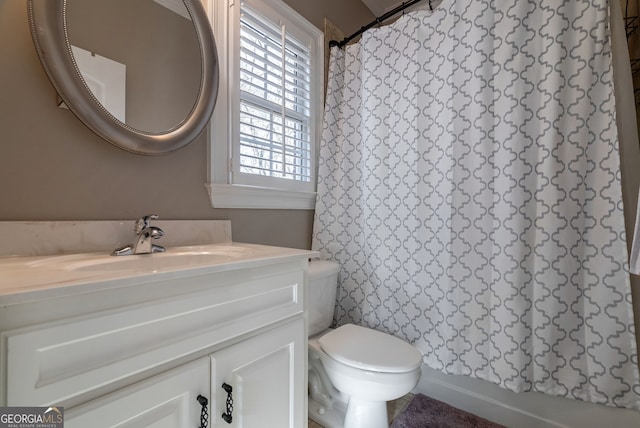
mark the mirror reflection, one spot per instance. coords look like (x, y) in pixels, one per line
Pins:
(140, 59)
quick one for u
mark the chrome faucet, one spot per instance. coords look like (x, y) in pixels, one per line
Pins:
(145, 234)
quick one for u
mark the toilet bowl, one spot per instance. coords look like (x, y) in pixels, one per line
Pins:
(353, 370)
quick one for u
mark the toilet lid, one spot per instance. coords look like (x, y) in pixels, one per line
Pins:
(369, 349)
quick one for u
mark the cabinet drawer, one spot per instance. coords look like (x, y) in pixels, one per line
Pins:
(51, 363)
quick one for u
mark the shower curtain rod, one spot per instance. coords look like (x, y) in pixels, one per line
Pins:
(376, 21)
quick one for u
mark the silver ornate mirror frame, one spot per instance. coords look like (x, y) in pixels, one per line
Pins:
(49, 31)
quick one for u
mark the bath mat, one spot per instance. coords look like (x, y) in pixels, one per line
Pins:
(425, 412)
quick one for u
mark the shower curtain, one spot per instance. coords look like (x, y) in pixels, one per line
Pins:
(469, 187)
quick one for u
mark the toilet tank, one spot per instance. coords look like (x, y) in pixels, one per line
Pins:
(321, 294)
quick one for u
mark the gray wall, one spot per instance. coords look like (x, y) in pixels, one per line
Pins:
(53, 168)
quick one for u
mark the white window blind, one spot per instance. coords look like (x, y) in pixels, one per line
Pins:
(275, 135)
(263, 139)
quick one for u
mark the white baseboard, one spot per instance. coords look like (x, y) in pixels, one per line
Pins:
(525, 410)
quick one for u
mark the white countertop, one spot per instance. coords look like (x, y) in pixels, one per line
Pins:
(31, 278)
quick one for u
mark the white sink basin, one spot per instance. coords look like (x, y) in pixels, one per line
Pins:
(153, 262)
(172, 259)
(26, 277)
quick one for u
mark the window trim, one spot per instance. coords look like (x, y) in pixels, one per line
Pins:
(223, 193)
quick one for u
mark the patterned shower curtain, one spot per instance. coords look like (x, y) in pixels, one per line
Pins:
(469, 187)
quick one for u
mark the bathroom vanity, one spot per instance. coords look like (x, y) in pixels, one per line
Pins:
(139, 340)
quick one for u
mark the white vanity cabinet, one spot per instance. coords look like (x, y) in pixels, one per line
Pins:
(138, 351)
(261, 374)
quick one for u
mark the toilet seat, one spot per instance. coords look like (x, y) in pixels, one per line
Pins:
(371, 350)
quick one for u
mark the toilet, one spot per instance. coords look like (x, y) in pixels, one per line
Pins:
(353, 370)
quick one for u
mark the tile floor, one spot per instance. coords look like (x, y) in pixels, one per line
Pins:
(393, 408)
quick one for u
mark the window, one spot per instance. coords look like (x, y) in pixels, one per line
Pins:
(267, 118)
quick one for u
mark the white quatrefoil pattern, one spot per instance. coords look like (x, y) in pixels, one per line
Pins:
(469, 187)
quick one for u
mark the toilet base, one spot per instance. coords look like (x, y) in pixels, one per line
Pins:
(366, 414)
(358, 414)
(327, 405)
(328, 417)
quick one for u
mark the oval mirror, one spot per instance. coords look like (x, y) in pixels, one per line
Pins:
(141, 74)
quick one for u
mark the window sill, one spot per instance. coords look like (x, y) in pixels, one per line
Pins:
(252, 197)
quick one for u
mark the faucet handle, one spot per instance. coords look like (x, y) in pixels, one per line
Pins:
(144, 222)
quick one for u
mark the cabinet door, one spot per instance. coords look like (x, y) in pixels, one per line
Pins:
(168, 400)
(268, 379)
